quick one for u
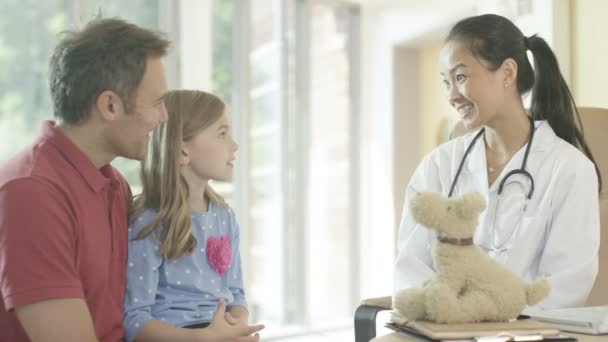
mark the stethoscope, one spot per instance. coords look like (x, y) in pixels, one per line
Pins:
(521, 171)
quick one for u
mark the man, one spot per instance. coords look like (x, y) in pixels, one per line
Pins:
(63, 207)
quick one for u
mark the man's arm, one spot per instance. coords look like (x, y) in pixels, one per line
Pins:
(38, 272)
(64, 320)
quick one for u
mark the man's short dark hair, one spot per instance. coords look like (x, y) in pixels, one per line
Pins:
(108, 54)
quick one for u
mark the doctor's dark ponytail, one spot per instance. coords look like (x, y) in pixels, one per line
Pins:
(495, 38)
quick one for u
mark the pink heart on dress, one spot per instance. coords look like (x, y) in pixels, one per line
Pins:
(219, 252)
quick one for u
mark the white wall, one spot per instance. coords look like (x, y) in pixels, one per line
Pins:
(590, 49)
(389, 123)
(406, 95)
(195, 43)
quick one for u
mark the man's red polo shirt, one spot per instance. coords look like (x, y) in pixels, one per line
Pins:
(63, 234)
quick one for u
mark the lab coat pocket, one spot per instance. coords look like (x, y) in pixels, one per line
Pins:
(526, 244)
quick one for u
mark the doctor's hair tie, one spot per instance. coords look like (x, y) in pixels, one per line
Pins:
(527, 43)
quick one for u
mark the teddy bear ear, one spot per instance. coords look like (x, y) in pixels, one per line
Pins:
(471, 203)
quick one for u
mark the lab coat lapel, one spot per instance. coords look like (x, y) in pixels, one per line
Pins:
(476, 173)
(543, 137)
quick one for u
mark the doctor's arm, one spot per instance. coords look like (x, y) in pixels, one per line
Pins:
(569, 259)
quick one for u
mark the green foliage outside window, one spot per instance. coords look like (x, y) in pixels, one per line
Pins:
(222, 32)
(28, 34)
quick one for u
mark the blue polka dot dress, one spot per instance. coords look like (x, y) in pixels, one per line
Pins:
(185, 291)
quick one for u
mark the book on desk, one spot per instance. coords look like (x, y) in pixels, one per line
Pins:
(516, 330)
(591, 320)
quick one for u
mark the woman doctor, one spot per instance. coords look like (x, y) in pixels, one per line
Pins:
(534, 168)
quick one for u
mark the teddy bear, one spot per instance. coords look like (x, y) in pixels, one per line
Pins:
(469, 286)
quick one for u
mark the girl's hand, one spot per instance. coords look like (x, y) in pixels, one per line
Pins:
(225, 328)
(237, 315)
(231, 320)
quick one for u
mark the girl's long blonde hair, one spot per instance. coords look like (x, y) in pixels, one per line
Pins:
(164, 188)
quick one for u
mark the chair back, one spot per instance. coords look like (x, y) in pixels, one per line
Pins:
(595, 128)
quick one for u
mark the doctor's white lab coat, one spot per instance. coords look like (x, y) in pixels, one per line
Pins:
(558, 235)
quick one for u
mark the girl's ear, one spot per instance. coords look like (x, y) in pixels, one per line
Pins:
(184, 155)
(509, 71)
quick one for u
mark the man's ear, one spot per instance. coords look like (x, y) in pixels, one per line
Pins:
(184, 155)
(509, 72)
(109, 105)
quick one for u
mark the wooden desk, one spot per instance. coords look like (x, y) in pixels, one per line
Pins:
(395, 337)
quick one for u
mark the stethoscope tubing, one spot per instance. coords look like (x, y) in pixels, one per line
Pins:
(522, 170)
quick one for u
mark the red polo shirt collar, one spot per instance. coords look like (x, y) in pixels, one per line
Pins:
(95, 178)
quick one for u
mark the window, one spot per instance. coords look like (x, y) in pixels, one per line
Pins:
(25, 98)
(24, 54)
(332, 202)
(265, 175)
(287, 71)
(223, 74)
(141, 12)
(298, 193)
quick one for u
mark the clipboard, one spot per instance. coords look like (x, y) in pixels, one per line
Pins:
(510, 331)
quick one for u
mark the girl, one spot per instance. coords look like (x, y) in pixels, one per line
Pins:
(534, 168)
(184, 260)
